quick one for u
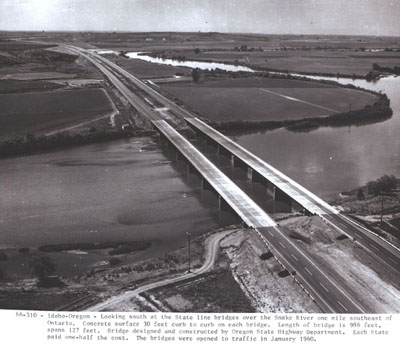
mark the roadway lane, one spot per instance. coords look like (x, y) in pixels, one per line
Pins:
(238, 200)
(298, 193)
(311, 277)
(138, 103)
(323, 288)
(330, 296)
(381, 250)
(376, 246)
(139, 84)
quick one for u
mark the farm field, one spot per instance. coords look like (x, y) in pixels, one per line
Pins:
(39, 112)
(11, 86)
(307, 61)
(263, 99)
(144, 69)
(303, 53)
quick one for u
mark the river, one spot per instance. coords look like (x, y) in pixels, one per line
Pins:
(129, 190)
(330, 160)
(327, 160)
(123, 190)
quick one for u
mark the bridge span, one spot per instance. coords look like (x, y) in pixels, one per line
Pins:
(287, 190)
(327, 292)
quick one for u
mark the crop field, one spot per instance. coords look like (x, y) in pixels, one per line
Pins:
(20, 46)
(306, 53)
(11, 86)
(39, 112)
(144, 69)
(36, 76)
(309, 54)
(344, 62)
(309, 61)
(263, 99)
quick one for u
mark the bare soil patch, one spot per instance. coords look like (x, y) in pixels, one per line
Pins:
(259, 277)
(208, 293)
(370, 282)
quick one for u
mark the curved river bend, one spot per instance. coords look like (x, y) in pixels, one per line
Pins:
(128, 190)
(330, 160)
(326, 160)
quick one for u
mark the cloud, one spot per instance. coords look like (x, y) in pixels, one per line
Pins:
(378, 17)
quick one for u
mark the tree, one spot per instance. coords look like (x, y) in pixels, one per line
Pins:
(383, 184)
(196, 75)
(197, 51)
(42, 266)
(360, 194)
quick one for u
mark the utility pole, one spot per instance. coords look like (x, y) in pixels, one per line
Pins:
(188, 234)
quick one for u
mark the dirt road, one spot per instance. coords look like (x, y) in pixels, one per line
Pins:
(211, 253)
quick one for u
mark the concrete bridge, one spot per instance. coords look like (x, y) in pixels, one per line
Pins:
(282, 187)
(331, 296)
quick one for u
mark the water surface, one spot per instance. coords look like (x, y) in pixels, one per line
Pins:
(125, 190)
(330, 160)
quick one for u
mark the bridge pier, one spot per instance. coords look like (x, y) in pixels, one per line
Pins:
(282, 197)
(192, 170)
(178, 156)
(205, 185)
(221, 151)
(296, 207)
(226, 212)
(164, 141)
(237, 163)
(223, 205)
(255, 177)
(197, 132)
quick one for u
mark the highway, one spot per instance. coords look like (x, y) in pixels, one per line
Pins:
(328, 293)
(380, 249)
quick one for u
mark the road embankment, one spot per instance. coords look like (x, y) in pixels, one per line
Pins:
(31, 144)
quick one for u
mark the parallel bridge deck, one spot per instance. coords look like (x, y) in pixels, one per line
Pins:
(301, 195)
(239, 201)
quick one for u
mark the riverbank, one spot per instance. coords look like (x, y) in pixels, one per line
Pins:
(380, 213)
(161, 55)
(32, 144)
(377, 112)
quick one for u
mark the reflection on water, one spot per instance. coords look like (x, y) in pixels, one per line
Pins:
(191, 64)
(330, 160)
(326, 160)
(118, 191)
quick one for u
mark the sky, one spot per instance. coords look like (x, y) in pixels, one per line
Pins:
(344, 17)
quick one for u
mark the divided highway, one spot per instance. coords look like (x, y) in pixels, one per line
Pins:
(380, 249)
(330, 295)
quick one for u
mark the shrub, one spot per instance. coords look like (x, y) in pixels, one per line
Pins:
(42, 266)
(114, 261)
(383, 184)
(24, 250)
(3, 257)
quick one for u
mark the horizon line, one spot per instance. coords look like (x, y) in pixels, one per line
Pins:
(196, 32)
